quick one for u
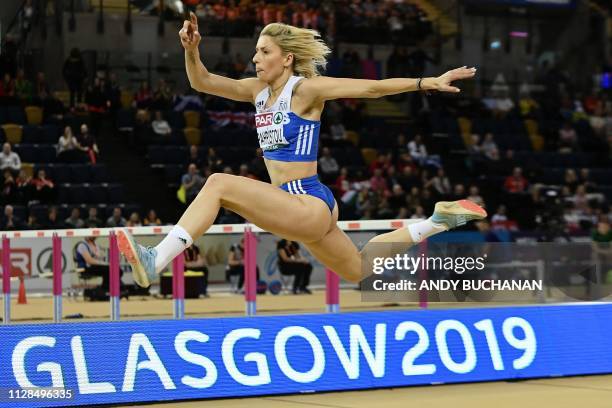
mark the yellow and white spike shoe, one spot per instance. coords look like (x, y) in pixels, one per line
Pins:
(452, 214)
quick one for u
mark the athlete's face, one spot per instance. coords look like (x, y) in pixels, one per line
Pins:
(269, 60)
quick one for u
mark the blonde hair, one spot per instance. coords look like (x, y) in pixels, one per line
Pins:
(309, 52)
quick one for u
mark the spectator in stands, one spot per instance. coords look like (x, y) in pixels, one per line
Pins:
(398, 198)
(417, 149)
(7, 90)
(214, 162)
(33, 223)
(500, 220)
(53, 221)
(337, 131)
(192, 182)
(598, 121)
(408, 179)
(134, 220)
(476, 197)
(23, 87)
(601, 239)
(568, 140)
(195, 261)
(9, 188)
(378, 183)
(570, 180)
(88, 144)
(585, 179)
(112, 92)
(75, 220)
(194, 156)
(244, 172)
(516, 183)
(291, 262)
(161, 128)
(10, 222)
(151, 219)
(328, 166)
(528, 106)
(23, 187)
(235, 264)
(419, 213)
(489, 147)
(92, 220)
(9, 160)
(458, 192)
(68, 147)
(43, 188)
(116, 220)
(440, 183)
(143, 97)
(74, 74)
(162, 97)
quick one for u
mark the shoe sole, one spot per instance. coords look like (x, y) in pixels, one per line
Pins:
(461, 207)
(126, 247)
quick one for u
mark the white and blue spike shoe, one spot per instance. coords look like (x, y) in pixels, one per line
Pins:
(141, 259)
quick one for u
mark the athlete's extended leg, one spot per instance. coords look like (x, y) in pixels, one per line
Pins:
(301, 218)
(339, 253)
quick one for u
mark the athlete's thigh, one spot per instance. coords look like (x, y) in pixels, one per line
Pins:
(297, 217)
(337, 252)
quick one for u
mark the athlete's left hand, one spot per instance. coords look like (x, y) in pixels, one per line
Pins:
(443, 82)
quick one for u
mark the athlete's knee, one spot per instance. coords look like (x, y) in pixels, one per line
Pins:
(217, 181)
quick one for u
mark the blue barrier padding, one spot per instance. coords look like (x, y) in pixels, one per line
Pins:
(160, 360)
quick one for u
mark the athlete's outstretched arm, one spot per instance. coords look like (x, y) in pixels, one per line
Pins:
(325, 88)
(203, 81)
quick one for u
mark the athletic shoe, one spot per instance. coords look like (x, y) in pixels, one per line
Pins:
(140, 258)
(452, 214)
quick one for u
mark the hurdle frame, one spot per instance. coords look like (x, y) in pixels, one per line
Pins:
(332, 295)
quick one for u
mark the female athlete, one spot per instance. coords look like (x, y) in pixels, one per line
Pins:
(289, 96)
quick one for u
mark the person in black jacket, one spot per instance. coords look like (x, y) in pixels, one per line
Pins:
(291, 262)
(74, 74)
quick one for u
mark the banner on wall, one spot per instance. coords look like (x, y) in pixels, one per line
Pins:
(74, 364)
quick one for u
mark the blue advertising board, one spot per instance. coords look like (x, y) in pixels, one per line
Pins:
(75, 364)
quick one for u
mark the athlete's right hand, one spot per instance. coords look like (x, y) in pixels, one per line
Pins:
(189, 35)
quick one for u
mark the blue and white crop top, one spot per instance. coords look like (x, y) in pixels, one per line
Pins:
(283, 135)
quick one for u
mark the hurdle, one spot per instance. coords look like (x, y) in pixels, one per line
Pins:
(332, 287)
(6, 279)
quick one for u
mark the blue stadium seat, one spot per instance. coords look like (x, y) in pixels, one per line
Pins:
(173, 174)
(20, 212)
(79, 193)
(50, 134)
(156, 154)
(115, 193)
(125, 120)
(80, 173)
(31, 134)
(61, 173)
(15, 114)
(99, 173)
(26, 152)
(97, 193)
(63, 192)
(46, 153)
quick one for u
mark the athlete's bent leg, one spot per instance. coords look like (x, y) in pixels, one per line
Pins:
(339, 253)
(295, 217)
